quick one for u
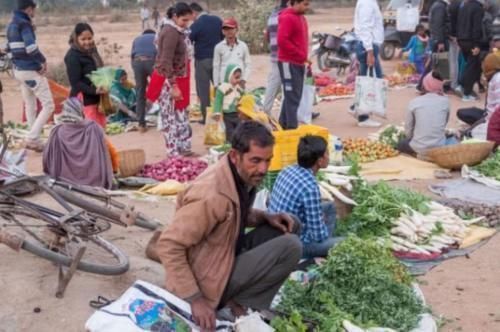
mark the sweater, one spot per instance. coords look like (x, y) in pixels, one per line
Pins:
(22, 43)
(206, 33)
(172, 51)
(293, 37)
(439, 22)
(144, 46)
(78, 66)
(470, 18)
(426, 120)
(225, 55)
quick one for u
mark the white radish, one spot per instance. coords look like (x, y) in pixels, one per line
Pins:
(338, 169)
(325, 194)
(335, 192)
(409, 245)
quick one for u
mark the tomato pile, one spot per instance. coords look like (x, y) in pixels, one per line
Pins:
(368, 150)
(336, 89)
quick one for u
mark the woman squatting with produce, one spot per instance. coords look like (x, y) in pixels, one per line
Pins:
(171, 63)
(81, 60)
(426, 119)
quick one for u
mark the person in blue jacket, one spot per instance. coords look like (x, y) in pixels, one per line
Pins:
(417, 46)
(30, 67)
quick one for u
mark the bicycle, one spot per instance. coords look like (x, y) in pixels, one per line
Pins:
(68, 234)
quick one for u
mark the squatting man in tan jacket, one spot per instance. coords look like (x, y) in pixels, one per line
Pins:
(209, 259)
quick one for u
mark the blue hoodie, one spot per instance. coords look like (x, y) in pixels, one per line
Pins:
(22, 43)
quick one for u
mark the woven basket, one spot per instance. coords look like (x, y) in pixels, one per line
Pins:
(131, 162)
(455, 156)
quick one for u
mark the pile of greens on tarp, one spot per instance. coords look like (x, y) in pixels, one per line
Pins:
(361, 282)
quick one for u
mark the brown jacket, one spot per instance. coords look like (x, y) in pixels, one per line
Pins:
(172, 52)
(198, 248)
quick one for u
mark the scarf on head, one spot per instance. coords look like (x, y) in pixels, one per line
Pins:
(72, 112)
(93, 53)
(491, 65)
(432, 84)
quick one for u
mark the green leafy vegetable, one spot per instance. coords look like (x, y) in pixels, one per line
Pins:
(361, 281)
(392, 136)
(292, 324)
(378, 205)
(490, 167)
(103, 77)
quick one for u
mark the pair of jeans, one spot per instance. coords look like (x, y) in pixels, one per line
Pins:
(361, 55)
(320, 249)
(35, 86)
(292, 78)
(471, 115)
(142, 71)
(203, 77)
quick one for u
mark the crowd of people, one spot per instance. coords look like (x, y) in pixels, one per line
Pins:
(209, 258)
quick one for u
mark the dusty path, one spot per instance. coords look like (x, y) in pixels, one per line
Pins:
(466, 291)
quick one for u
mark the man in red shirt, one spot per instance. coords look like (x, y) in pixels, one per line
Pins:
(293, 43)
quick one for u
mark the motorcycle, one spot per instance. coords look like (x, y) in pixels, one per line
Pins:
(334, 51)
(6, 65)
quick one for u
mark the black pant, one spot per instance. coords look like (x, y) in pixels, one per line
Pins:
(404, 147)
(471, 115)
(472, 72)
(231, 121)
(203, 78)
(142, 71)
(292, 78)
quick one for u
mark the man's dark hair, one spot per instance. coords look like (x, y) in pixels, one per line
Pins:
(284, 3)
(310, 150)
(182, 9)
(195, 7)
(248, 132)
(25, 4)
(148, 32)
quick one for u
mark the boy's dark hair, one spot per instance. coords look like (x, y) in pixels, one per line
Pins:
(148, 32)
(310, 150)
(171, 12)
(196, 7)
(437, 75)
(284, 3)
(419, 27)
(25, 4)
(293, 2)
(248, 132)
(181, 9)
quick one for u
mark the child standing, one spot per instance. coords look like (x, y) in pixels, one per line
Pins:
(227, 98)
(417, 47)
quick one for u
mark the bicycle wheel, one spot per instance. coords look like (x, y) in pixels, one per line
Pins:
(52, 242)
(96, 203)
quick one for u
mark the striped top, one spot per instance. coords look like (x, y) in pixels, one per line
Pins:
(272, 30)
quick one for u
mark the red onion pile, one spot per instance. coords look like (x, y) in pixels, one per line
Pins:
(175, 168)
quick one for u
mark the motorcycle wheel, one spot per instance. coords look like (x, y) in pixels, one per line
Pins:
(387, 51)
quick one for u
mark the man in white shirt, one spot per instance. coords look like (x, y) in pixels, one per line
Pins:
(231, 51)
(145, 17)
(369, 28)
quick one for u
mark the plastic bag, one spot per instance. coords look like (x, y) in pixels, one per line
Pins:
(215, 131)
(407, 18)
(252, 323)
(155, 86)
(261, 198)
(370, 96)
(304, 113)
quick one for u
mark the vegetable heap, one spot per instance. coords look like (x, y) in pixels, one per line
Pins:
(490, 167)
(368, 150)
(392, 135)
(336, 89)
(378, 206)
(361, 282)
(332, 177)
(103, 77)
(175, 168)
(114, 128)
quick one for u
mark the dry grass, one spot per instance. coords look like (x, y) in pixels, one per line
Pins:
(58, 74)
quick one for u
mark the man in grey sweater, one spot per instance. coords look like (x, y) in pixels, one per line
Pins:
(426, 119)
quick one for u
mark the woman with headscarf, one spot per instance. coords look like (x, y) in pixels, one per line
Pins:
(476, 117)
(171, 63)
(77, 150)
(82, 59)
(123, 96)
(426, 119)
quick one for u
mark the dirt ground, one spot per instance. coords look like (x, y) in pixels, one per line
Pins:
(464, 291)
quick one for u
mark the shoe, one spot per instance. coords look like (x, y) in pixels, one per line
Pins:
(369, 124)
(34, 145)
(459, 91)
(352, 111)
(469, 98)
(143, 129)
(315, 115)
(151, 252)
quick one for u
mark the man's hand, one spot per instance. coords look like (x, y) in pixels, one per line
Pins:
(176, 93)
(101, 91)
(203, 315)
(282, 221)
(43, 71)
(441, 47)
(370, 58)
(476, 51)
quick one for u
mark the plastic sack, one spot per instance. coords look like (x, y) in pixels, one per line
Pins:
(167, 188)
(468, 173)
(407, 18)
(155, 86)
(370, 96)
(215, 131)
(252, 323)
(260, 202)
(304, 112)
(146, 307)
